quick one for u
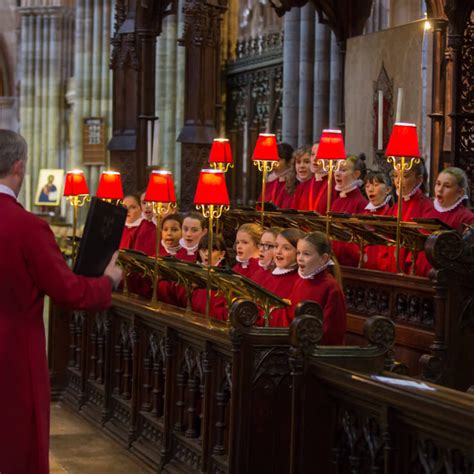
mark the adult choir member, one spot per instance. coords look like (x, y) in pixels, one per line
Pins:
(31, 266)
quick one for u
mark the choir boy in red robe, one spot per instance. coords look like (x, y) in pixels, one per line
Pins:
(285, 273)
(266, 253)
(275, 189)
(451, 194)
(316, 282)
(194, 228)
(378, 187)
(246, 249)
(415, 204)
(134, 219)
(147, 209)
(350, 200)
(304, 174)
(31, 266)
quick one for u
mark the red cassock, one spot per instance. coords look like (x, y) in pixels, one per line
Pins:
(455, 218)
(218, 306)
(324, 289)
(129, 234)
(248, 269)
(376, 256)
(273, 189)
(145, 239)
(284, 200)
(416, 206)
(261, 276)
(353, 202)
(312, 195)
(31, 266)
(282, 286)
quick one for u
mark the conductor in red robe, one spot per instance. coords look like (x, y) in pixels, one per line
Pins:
(31, 266)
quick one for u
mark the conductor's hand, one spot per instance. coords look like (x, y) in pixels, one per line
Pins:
(113, 271)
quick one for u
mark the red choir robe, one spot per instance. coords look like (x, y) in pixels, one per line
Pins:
(261, 276)
(247, 269)
(455, 218)
(145, 239)
(417, 206)
(273, 189)
(324, 289)
(282, 286)
(312, 195)
(376, 256)
(31, 266)
(129, 234)
(284, 200)
(218, 306)
(353, 202)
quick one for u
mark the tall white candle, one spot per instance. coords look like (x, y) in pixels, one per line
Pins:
(380, 122)
(399, 104)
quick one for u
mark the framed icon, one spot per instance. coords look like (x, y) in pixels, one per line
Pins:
(50, 187)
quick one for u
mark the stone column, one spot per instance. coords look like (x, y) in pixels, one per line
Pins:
(291, 56)
(335, 85)
(321, 79)
(201, 39)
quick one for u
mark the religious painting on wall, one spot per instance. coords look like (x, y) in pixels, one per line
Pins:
(50, 186)
(93, 141)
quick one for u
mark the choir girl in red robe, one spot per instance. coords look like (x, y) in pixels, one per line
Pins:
(415, 204)
(265, 257)
(147, 209)
(218, 305)
(275, 190)
(285, 273)
(246, 249)
(378, 187)
(304, 176)
(319, 281)
(194, 228)
(451, 197)
(350, 200)
(134, 219)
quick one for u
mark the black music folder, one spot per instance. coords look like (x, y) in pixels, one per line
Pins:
(101, 237)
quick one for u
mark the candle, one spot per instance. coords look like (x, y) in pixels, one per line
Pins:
(380, 122)
(399, 104)
(156, 133)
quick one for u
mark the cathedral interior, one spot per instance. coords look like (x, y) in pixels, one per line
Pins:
(160, 80)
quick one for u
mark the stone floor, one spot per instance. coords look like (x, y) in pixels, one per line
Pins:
(77, 447)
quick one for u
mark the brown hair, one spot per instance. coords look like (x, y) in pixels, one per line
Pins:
(254, 230)
(323, 245)
(135, 197)
(359, 164)
(292, 234)
(273, 230)
(172, 217)
(196, 216)
(460, 176)
(218, 243)
(301, 151)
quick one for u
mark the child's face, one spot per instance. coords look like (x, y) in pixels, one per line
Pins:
(266, 249)
(315, 166)
(285, 253)
(216, 256)
(346, 174)
(308, 258)
(410, 181)
(244, 246)
(171, 233)
(133, 209)
(147, 208)
(303, 167)
(377, 192)
(192, 231)
(447, 190)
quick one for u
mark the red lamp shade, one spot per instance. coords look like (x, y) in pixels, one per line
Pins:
(212, 188)
(160, 187)
(75, 184)
(110, 185)
(266, 148)
(220, 151)
(331, 146)
(403, 141)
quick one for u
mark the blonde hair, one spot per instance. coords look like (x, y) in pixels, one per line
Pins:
(253, 230)
(460, 176)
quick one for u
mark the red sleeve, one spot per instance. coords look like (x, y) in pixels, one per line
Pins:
(334, 318)
(51, 275)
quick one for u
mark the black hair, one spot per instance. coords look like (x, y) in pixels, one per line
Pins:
(285, 152)
(218, 243)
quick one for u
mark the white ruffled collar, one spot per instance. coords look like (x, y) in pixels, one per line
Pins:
(343, 192)
(189, 250)
(171, 250)
(265, 267)
(408, 196)
(134, 223)
(316, 272)
(371, 207)
(283, 271)
(244, 263)
(440, 208)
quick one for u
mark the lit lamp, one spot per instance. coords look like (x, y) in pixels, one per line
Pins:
(403, 152)
(212, 199)
(77, 193)
(110, 186)
(221, 155)
(330, 153)
(160, 192)
(265, 157)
